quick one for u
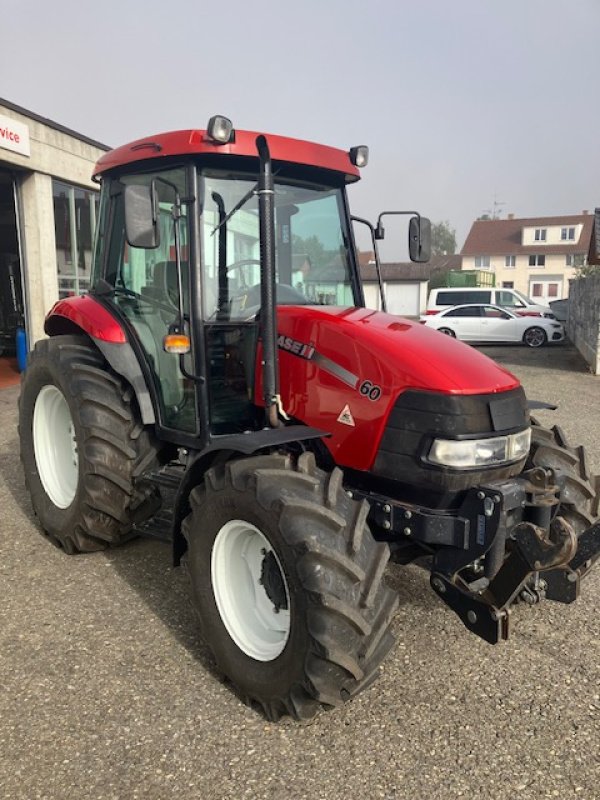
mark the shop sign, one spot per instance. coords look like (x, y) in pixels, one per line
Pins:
(14, 136)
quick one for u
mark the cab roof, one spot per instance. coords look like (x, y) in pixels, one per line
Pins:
(196, 142)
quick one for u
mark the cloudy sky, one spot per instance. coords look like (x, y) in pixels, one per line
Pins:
(462, 102)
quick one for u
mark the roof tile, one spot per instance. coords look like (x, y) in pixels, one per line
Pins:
(499, 237)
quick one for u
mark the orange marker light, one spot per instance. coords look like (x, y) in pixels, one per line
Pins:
(177, 343)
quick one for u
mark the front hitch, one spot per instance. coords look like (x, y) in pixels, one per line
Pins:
(484, 605)
(507, 540)
(563, 583)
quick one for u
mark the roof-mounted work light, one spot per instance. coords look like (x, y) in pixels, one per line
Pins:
(220, 130)
(359, 156)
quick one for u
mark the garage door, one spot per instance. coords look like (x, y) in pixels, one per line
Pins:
(403, 299)
(372, 299)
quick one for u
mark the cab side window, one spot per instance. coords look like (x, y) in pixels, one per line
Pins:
(146, 290)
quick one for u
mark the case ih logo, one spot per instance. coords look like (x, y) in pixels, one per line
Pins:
(14, 136)
(297, 348)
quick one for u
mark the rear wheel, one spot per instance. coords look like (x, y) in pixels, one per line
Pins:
(535, 337)
(82, 443)
(287, 583)
(447, 331)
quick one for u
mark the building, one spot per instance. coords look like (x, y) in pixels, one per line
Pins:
(536, 256)
(48, 207)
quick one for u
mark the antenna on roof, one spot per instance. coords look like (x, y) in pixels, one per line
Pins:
(494, 212)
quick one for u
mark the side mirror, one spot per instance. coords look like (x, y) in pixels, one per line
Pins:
(141, 223)
(419, 239)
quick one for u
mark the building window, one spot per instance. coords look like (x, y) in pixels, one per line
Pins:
(544, 290)
(575, 260)
(510, 262)
(482, 262)
(537, 261)
(508, 284)
(567, 234)
(75, 213)
(540, 234)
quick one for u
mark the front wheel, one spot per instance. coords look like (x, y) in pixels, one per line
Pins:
(579, 489)
(287, 583)
(535, 337)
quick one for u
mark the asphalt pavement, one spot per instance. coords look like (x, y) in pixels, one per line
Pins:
(106, 691)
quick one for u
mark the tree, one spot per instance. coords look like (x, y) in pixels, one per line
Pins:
(311, 247)
(585, 270)
(443, 239)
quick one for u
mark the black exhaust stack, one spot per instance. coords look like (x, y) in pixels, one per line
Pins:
(268, 300)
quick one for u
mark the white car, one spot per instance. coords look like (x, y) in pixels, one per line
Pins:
(487, 323)
(511, 299)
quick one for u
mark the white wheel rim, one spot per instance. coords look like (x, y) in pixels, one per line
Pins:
(55, 447)
(247, 611)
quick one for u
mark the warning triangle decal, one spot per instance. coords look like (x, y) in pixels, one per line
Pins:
(346, 417)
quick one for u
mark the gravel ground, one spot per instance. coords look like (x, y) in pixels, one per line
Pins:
(106, 691)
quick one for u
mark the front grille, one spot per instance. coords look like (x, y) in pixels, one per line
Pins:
(419, 417)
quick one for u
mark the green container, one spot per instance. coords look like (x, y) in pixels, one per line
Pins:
(470, 277)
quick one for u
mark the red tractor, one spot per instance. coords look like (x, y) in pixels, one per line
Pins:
(223, 385)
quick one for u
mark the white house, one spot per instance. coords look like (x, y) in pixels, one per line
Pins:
(538, 256)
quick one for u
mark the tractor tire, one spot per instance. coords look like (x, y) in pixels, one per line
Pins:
(82, 444)
(579, 495)
(287, 583)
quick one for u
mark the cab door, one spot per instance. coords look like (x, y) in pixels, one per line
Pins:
(145, 292)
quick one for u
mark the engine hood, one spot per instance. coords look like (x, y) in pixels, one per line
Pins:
(404, 353)
(343, 370)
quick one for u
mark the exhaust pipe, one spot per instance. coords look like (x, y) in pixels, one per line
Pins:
(268, 300)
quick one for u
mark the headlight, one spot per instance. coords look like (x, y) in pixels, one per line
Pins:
(470, 453)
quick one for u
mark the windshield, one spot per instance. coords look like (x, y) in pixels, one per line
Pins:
(524, 298)
(312, 246)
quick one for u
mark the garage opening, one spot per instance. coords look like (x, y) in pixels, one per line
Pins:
(12, 310)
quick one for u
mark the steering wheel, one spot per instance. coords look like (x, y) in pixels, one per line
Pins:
(243, 262)
(153, 302)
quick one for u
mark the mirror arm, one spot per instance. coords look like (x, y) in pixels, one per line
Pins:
(374, 238)
(415, 216)
(387, 213)
(176, 214)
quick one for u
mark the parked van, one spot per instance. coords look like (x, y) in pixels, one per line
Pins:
(518, 303)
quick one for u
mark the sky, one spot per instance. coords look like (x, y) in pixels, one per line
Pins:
(463, 103)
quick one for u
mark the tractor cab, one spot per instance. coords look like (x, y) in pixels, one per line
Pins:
(178, 261)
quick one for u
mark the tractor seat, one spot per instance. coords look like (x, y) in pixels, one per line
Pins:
(165, 283)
